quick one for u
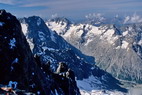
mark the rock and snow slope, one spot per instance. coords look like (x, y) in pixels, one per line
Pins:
(117, 51)
(40, 37)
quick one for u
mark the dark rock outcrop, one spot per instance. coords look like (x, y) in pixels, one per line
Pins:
(17, 62)
(18, 66)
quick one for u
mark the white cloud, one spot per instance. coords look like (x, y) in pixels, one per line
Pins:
(74, 8)
(54, 15)
(133, 19)
(95, 18)
(6, 1)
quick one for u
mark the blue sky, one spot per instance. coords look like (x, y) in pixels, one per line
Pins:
(71, 8)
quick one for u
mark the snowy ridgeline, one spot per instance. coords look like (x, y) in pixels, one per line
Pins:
(89, 33)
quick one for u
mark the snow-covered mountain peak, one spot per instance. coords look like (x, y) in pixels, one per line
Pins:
(86, 32)
(60, 20)
(60, 24)
(107, 43)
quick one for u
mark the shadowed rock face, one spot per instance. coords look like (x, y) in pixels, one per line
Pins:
(14, 50)
(17, 63)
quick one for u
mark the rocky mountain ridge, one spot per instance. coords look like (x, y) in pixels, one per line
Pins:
(116, 50)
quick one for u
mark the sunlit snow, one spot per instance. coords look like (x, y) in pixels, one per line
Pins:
(53, 38)
(93, 86)
(15, 60)
(124, 44)
(12, 43)
(1, 24)
(125, 33)
(24, 28)
(38, 21)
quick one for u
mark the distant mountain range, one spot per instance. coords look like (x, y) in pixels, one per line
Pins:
(116, 49)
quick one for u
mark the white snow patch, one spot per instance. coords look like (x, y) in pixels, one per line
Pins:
(89, 84)
(12, 43)
(93, 86)
(77, 57)
(30, 41)
(125, 33)
(95, 30)
(140, 42)
(67, 34)
(15, 61)
(108, 35)
(13, 84)
(1, 24)
(88, 41)
(24, 28)
(53, 38)
(58, 27)
(79, 33)
(74, 30)
(41, 35)
(56, 93)
(124, 44)
(33, 73)
(38, 92)
(92, 68)
(38, 21)
(101, 92)
(44, 48)
(51, 49)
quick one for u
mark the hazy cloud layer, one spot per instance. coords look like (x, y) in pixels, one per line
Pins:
(75, 7)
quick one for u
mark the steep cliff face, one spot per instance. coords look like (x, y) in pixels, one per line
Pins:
(17, 63)
(18, 68)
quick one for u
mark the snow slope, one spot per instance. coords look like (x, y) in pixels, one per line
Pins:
(93, 86)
